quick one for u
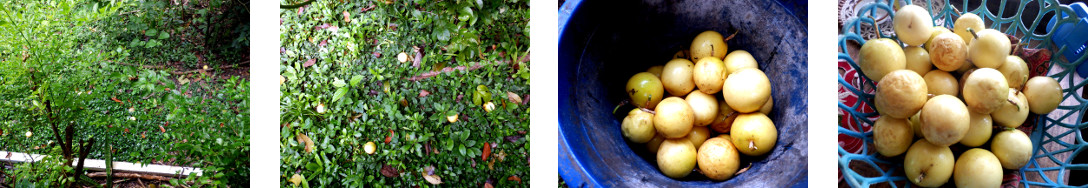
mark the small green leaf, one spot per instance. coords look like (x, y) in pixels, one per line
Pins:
(356, 79)
(338, 83)
(151, 32)
(164, 35)
(461, 148)
(339, 94)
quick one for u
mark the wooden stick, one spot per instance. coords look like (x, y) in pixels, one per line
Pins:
(129, 175)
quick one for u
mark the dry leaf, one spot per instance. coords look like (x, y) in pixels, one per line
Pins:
(418, 58)
(390, 137)
(514, 98)
(487, 150)
(309, 63)
(347, 17)
(514, 178)
(296, 179)
(302, 138)
(424, 93)
(428, 174)
(163, 129)
(389, 171)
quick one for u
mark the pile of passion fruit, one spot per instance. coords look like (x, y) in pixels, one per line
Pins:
(914, 100)
(679, 107)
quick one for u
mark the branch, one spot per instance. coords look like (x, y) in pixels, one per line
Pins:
(129, 175)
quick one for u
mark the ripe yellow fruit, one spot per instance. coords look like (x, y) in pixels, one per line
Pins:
(948, 52)
(676, 158)
(985, 90)
(879, 57)
(913, 25)
(738, 60)
(977, 168)
(968, 20)
(708, 44)
(709, 74)
(990, 49)
(917, 60)
(747, 90)
(677, 77)
(979, 130)
(674, 118)
(939, 82)
(891, 136)
(754, 134)
(704, 106)
(718, 159)
(945, 120)
(928, 165)
(1043, 93)
(901, 94)
(638, 126)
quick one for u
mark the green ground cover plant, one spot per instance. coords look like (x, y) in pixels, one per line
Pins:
(441, 89)
(135, 81)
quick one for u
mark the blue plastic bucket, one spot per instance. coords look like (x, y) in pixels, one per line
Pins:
(603, 43)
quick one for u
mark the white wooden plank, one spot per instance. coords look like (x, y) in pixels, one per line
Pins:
(100, 165)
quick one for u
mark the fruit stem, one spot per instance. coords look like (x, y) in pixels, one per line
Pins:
(972, 32)
(647, 110)
(930, 96)
(1014, 103)
(624, 102)
(752, 145)
(731, 36)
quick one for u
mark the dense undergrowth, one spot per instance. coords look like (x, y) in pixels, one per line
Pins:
(129, 77)
(343, 85)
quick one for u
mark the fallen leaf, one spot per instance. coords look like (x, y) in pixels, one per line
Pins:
(501, 156)
(116, 100)
(514, 178)
(376, 54)
(428, 174)
(323, 43)
(302, 138)
(488, 183)
(364, 9)
(512, 138)
(424, 93)
(418, 57)
(322, 26)
(390, 137)
(162, 129)
(514, 98)
(126, 130)
(491, 165)
(309, 63)
(296, 179)
(347, 17)
(389, 171)
(487, 150)
(143, 135)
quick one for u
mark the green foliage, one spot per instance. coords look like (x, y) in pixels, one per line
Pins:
(345, 87)
(63, 62)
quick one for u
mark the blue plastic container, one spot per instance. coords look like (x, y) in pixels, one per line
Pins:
(603, 43)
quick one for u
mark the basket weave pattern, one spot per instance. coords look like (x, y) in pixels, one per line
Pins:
(1055, 137)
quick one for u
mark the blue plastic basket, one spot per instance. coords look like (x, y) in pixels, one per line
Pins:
(1060, 128)
(603, 43)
